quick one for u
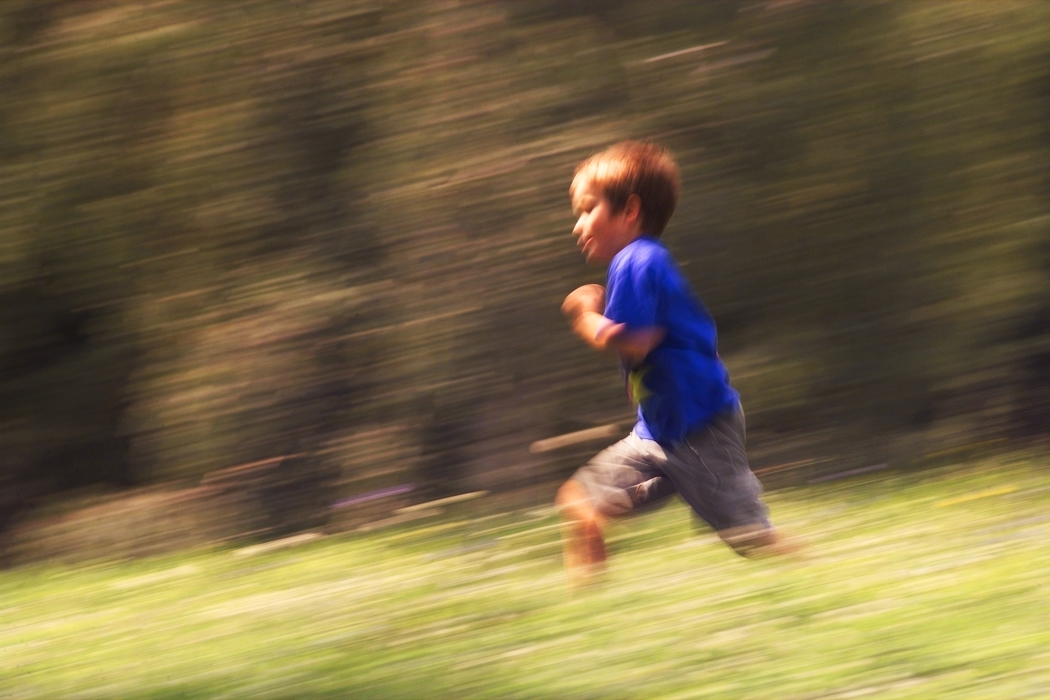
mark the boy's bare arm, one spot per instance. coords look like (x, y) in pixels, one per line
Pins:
(584, 306)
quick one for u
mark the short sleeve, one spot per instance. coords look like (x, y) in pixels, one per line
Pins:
(632, 292)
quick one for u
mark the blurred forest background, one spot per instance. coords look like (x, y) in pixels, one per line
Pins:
(330, 238)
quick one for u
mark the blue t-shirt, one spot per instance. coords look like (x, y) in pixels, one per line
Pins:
(682, 383)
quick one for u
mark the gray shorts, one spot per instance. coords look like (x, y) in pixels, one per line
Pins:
(709, 468)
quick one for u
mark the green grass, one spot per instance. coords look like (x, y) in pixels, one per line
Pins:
(923, 585)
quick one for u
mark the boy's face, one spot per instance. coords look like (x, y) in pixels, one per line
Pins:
(600, 232)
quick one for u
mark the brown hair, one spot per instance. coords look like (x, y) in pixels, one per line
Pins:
(641, 168)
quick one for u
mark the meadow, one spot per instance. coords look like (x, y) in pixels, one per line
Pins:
(922, 584)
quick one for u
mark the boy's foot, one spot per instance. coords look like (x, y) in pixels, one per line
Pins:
(757, 543)
(585, 576)
(782, 546)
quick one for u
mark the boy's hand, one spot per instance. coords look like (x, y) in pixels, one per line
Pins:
(589, 297)
(584, 308)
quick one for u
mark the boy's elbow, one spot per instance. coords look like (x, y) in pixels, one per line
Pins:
(637, 345)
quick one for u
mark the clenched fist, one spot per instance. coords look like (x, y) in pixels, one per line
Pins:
(589, 297)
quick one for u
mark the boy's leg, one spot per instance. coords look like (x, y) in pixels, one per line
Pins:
(618, 480)
(711, 471)
(754, 541)
(583, 544)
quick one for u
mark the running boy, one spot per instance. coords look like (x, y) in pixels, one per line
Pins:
(689, 437)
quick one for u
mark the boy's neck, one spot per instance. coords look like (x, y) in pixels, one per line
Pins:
(630, 238)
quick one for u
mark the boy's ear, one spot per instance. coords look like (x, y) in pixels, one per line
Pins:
(632, 211)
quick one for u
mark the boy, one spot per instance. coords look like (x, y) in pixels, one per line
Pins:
(689, 437)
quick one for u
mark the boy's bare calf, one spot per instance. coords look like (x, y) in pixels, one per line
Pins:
(583, 543)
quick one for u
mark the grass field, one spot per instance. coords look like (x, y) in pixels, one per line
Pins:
(932, 584)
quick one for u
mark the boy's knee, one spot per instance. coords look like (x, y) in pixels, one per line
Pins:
(568, 493)
(574, 501)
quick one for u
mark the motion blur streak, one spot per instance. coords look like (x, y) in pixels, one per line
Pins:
(262, 258)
